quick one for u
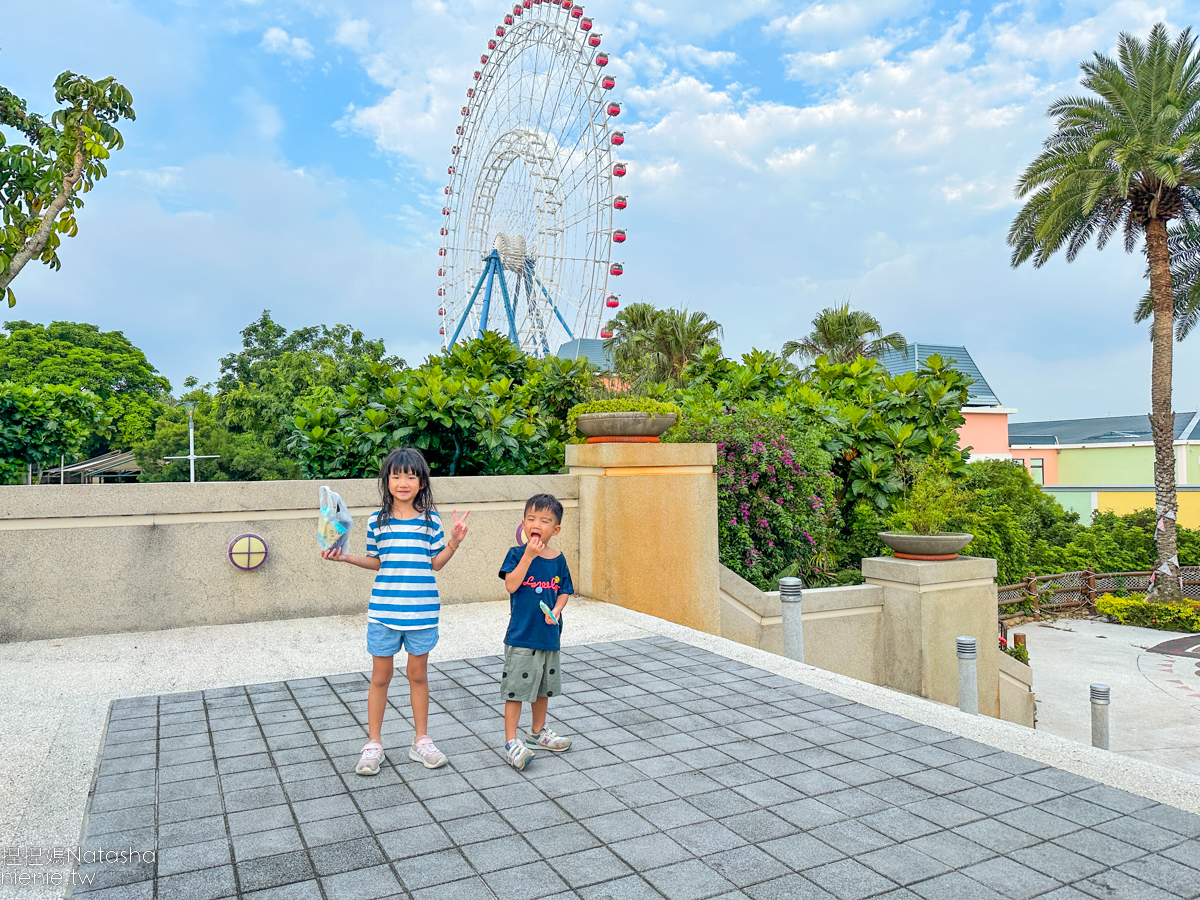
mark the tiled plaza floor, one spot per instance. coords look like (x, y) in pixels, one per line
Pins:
(691, 776)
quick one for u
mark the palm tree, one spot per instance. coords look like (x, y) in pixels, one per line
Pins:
(678, 338)
(1126, 155)
(630, 329)
(650, 344)
(842, 335)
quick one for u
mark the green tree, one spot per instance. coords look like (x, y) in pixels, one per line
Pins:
(240, 456)
(104, 362)
(1125, 156)
(631, 328)
(261, 384)
(39, 424)
(841, 335)
(42, 181)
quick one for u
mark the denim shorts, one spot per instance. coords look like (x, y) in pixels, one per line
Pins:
(384, 641)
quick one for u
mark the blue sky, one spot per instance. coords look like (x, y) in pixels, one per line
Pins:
(784, 156)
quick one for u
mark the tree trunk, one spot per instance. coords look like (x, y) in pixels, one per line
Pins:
(33, 246)
(1162, 421)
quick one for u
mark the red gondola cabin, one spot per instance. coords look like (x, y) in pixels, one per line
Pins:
(614, 108)
(619, 236)
(619, 169)
(620, 202)
(606, 333)
(616, 269)
(608, 82)
(585, 24)
(612, 302)
(594, 39)
(618, 138)
(602, 59)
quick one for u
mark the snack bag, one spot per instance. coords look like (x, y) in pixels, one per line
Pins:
(334, 522)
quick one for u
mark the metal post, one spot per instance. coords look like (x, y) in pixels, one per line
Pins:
(968, 679)
(1100, 696)
(62, 465)
(790, 594)
(493, 261)
(192, 444)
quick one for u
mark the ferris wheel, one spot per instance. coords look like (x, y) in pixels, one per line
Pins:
(528, 221)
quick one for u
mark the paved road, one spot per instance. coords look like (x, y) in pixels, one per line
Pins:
(693, 776)
(1155, 711)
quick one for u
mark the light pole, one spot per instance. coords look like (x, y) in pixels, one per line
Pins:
(190, 406)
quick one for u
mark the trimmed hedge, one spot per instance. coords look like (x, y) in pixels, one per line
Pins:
(621, 404)
(1148, 614)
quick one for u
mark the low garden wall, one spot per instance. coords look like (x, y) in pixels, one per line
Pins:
(95, 559)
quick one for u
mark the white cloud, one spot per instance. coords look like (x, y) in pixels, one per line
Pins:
(353, 34)
(276, 40)
(781, 160)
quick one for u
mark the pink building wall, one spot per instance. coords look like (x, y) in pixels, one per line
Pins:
(986, 433)
(1048, 456)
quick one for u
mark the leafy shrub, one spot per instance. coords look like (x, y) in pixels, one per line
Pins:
(1017, 652)
(620, 404)
(1147, 614)
(775, 494)
(934, 500)
(483, 408)
(39, 424)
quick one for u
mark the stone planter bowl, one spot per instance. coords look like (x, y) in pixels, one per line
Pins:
(624, 424)
(926, 546)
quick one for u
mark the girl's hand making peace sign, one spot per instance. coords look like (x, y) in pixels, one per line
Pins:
(458, 530)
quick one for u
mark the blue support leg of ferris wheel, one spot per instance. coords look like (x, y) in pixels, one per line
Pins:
(554, 306)
(509, 308)
(467, 311)
(490, 271)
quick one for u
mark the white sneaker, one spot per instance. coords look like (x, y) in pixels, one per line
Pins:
(372, 756)
(547, 740)
(424, 752)
(517, 754)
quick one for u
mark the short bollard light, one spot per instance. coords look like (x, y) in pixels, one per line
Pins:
(790, 595)
(968, 679)
(1100, 698)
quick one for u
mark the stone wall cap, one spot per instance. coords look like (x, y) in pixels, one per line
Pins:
(640, 455)
(915, 571)
(83, 500)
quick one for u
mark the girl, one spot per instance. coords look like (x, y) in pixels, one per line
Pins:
(405, 546)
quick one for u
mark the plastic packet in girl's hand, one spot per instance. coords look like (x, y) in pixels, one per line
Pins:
(334, 522)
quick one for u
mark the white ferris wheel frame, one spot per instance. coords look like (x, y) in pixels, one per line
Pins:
(558, 275)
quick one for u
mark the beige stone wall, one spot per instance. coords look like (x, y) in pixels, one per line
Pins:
(93, 559)
(648, 529)
(897, 630)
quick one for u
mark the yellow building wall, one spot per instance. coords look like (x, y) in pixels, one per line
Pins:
(1122, 502)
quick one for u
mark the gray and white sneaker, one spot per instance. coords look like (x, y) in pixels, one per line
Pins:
(372, 756)
(547, 740)
(428, 755)
(517, 754)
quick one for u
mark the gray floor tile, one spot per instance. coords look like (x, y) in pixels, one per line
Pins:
(952, 849)
(617, 826)
(687, 880)
(705, 838)
(465, 889)
(1165, 873)
(273, 871)
(529, 882)
(189, 857)
(362, 884)
(410, 842)
(332, 859)
(631, 887)
(904, 864)
(206, 884)
(650, 851)
(849, 880)
(266, 843)
(954, 886)
(1058, 862)
(425, 869)
(789, 887)
(1010, 878)
(589, 867)
(498, 853)
(1114, 884)
(744, 866)
(304, 890)
(759, 825)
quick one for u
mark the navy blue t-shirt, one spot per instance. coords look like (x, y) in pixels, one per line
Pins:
(545, 580)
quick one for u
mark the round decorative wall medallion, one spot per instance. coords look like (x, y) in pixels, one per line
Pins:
(522, 538)
(247, 552)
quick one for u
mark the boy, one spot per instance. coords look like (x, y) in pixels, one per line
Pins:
(534, 574)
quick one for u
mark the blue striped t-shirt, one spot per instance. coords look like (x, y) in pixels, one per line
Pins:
(405, 595)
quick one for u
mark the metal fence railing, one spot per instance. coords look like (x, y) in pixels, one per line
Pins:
(1070, 591)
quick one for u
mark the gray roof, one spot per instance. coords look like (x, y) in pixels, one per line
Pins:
(911, 359)
(1106, 430)
(591, 348)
